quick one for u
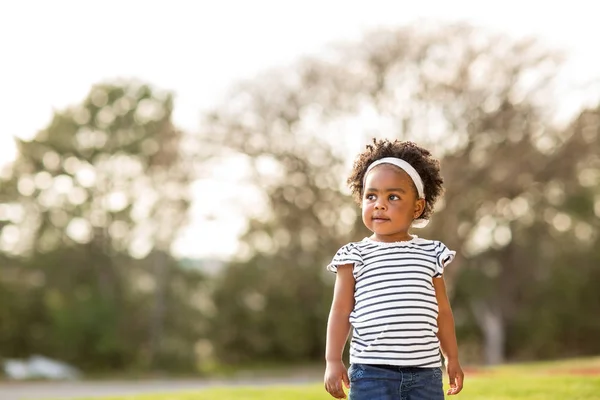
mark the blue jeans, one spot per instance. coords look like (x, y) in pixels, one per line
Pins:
(372, 382)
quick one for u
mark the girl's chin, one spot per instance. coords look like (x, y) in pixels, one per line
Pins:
(387, 233)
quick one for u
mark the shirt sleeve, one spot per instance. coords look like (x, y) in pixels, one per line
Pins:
(444, 256)
(348, 254)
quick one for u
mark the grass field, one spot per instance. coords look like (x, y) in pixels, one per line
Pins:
(576, 379)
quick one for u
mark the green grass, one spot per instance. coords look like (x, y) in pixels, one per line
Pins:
(576, 379)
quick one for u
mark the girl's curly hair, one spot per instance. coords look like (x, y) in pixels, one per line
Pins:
(421, 160)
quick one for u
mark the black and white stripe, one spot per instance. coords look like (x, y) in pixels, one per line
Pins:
(395, 312)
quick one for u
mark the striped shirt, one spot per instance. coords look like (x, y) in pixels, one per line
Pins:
(394, 319)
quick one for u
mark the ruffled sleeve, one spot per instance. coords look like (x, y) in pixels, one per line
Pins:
(444, 256)
(348, 254)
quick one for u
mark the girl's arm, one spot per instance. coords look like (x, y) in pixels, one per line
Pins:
(447, 336)
(338, 329)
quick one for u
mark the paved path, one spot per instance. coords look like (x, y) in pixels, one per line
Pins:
(74, 390)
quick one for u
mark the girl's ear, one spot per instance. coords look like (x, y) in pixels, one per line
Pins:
(419, 208)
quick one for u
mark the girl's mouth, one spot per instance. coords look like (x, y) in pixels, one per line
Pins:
(377, 219)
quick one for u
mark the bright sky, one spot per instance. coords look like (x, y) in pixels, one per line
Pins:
(52, 52)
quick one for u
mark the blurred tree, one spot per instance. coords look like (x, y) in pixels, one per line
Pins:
(276, 295)
(558, 309)
(94, 203)
(481, 102)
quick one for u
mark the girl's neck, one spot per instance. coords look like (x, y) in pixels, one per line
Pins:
(397, 237)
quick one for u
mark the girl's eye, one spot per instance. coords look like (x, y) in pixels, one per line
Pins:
(370, 197)
(394, 197)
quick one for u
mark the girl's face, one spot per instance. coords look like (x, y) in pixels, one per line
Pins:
(390, 203)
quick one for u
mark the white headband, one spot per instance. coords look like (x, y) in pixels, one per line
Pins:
(414, 175)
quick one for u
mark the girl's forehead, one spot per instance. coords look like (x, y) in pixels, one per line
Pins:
(388, 172)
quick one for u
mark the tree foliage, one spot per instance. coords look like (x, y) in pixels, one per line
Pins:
(90, 209)
(514, 179)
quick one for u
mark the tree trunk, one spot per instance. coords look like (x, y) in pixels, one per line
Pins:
(491, 324)
(159, 308)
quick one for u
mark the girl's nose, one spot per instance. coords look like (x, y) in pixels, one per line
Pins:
(379, 205)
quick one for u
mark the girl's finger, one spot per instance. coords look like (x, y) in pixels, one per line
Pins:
(346, 380)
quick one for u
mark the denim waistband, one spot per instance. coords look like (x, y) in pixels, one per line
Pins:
(397, 368)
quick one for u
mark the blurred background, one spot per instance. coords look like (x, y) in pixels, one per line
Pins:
(172, 174)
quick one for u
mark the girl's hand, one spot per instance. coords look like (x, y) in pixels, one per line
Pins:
(456, 376)
(335, 374)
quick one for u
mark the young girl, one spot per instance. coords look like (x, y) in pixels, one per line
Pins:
(390, 288)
